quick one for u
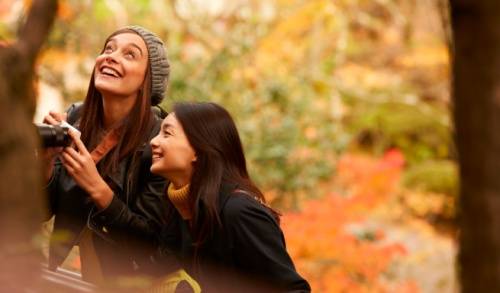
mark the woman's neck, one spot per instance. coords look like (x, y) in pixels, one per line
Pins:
(180, 179)
(116, 109)
(179, 183)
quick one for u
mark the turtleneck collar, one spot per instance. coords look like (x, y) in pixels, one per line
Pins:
(180, 199)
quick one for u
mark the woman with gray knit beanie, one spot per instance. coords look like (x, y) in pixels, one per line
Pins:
(100, 190)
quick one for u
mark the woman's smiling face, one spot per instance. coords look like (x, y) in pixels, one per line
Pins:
(173, 155)
(121, 67)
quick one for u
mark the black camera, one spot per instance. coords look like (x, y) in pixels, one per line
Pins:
(54, 135)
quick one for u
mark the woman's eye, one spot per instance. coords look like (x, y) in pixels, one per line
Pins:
(108, 49)
(130, 54)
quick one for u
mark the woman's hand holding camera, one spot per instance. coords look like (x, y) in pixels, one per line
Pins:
(80, 165)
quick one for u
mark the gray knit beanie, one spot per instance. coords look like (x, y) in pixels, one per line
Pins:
(158, 62)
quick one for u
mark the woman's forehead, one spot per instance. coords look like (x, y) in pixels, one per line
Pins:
(170, 121)
(127, 38)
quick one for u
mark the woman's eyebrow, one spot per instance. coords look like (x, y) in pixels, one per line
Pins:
(134, 45)
(111, 40)
(166, 125)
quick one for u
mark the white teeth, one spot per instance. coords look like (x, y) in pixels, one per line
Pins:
(110, 71)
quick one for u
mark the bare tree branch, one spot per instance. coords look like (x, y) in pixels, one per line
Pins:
(22, 202)
(36, 28)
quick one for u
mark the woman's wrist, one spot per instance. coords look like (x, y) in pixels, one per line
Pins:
(102, 195)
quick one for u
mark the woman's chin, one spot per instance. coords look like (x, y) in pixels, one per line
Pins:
(109, 87)
(156, 168)
(105, 89)
(153, 169)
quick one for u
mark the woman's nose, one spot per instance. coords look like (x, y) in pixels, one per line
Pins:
(153, 141)
(110, 59)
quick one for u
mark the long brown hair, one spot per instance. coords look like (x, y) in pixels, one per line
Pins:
(134, 127)
(220, 160)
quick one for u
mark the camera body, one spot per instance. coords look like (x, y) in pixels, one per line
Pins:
(54, 135)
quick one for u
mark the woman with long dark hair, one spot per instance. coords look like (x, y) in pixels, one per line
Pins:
(101, 192)
(218, 223)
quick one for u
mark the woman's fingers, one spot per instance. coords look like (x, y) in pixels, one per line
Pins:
(48, 119)
(68, 168)
(58, 116)
(78, 142)
(73, 154)
(82, 169)
(69, 161)
(54, 118)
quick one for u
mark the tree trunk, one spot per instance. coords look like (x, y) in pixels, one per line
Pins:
(476, 91)
(22, 203)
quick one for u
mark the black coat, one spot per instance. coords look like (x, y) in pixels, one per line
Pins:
(126, 231)
(247, 255)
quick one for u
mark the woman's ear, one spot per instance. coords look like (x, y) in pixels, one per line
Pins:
(194, 159)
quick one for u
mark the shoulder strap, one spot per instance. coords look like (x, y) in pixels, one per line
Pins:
(109, 141)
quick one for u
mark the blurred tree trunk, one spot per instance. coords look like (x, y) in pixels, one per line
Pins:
(21, 200)
(476, 91)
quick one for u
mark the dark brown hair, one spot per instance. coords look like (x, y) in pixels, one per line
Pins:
(134, 127)
(220, 160)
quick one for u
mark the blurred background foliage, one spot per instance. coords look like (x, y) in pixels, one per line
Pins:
(309, 82)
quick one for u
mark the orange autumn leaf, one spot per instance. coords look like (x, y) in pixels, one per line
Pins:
(326, 252)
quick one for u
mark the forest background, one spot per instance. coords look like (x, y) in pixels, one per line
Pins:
(343, 108)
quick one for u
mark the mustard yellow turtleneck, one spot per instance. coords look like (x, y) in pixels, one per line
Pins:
(180, 199)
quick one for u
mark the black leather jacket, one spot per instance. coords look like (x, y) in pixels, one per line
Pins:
(248, 254)
(125, 232)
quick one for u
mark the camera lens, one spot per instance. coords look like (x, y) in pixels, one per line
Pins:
(53, 135)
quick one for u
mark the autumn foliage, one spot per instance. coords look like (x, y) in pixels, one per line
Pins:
(323, 241)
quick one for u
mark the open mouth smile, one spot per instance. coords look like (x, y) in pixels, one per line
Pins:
(109, 71)
(156, 156)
